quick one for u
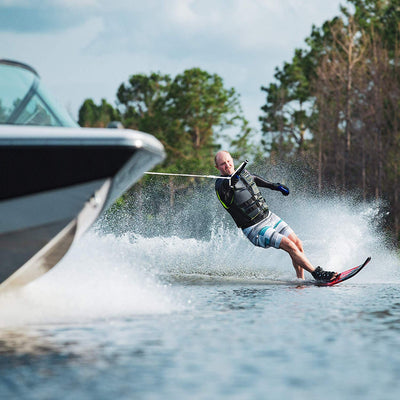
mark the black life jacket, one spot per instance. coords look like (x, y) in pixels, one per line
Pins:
(247, 206)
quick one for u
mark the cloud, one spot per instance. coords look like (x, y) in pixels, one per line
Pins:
(86, 48)
(205, 29)
(37, 16)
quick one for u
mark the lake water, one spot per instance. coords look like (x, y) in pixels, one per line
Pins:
(126, 316)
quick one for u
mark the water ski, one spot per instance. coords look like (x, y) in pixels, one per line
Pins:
(345, 274)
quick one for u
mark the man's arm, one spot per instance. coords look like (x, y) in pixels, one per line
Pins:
(261, 182)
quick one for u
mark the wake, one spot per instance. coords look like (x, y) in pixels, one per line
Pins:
(130, 264)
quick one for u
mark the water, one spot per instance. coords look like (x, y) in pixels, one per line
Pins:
(134, 316)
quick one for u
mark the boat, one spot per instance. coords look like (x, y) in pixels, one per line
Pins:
(56, 178)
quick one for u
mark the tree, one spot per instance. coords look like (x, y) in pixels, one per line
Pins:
(343, 91)
(335, 87)
(3, 113)
(142, 102)
(187, 114)
(201, 108)
(288, 106)
(97, 116)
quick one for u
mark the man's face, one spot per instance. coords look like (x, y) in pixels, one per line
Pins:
(224, 164)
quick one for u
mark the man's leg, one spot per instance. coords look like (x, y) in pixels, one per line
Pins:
(294, 247)
(299, 270)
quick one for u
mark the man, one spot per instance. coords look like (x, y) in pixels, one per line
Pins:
(241, 197)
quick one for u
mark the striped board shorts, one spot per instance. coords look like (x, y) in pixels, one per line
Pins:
(269, 232)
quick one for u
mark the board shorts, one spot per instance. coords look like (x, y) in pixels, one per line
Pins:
(269, 232)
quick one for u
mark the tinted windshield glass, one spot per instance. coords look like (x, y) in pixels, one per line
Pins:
(24, 101)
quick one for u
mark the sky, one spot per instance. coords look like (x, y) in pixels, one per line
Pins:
(87, 48)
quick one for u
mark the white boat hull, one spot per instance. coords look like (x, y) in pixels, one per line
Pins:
(38, 228)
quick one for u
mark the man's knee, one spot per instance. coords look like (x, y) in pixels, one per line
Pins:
(299, 244)
(296, 241)
(288, 245)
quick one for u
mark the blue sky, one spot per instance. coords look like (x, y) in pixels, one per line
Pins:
(87, 48)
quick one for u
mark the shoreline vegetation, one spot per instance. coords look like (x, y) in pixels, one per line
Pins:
(332, 111)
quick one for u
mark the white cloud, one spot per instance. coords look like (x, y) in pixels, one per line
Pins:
(183, 14)
(241, 40)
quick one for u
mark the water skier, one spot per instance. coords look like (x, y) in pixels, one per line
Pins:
(241, 197)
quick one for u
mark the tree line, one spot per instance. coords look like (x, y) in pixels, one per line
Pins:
(188, 114)
(333, 109)
(335, 105)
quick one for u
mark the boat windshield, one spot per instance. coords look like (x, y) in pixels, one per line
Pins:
(24, 100)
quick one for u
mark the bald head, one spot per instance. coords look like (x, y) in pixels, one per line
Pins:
(224, 163)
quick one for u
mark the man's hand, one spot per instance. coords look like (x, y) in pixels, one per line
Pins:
(234, 179)
(283, 189)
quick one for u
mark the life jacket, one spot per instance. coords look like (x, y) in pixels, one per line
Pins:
(247, 206)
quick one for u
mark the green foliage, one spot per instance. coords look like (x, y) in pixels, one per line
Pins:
(287, 110)
(382, 16)
(188, 114)
(333, 107)
(142, 102)
(91, 115)
(335, 104)
(3, 113)
(185, 113)
(242, 147)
